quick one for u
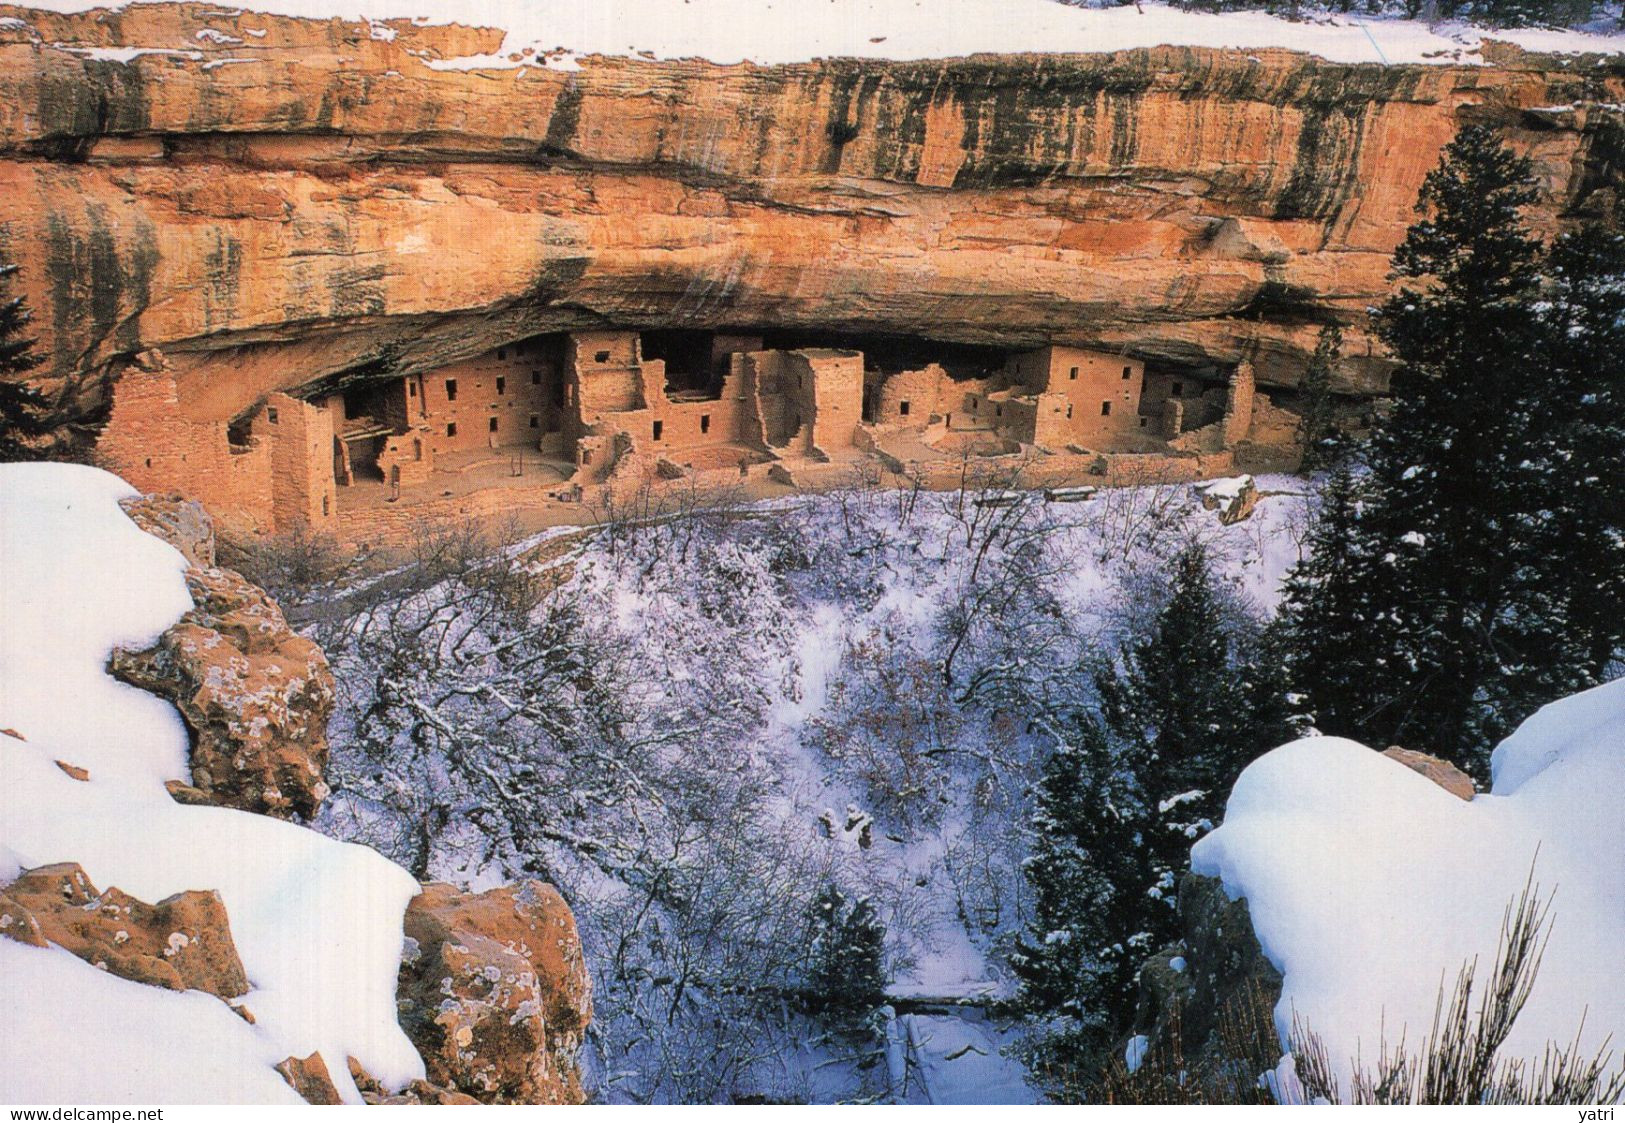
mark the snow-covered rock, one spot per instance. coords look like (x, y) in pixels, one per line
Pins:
(183, 942)
(317, 923)
(1370, 886)
(1234, 497)
(255, 695)
(495, 992)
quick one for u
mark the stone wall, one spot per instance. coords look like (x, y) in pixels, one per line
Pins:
(303, 490)
(837, 395)
(505, 397)
(909, 397)
(781, 394)
(604, 372)
(1238, 405)
(277, 476)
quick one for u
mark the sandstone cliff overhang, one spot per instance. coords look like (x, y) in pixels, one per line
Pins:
(275, 201)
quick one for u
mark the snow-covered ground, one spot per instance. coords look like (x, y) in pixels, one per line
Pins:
(317, 922)
(1370, 886)
(558, 32)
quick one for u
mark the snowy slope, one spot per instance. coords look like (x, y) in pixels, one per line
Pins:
(73, 1032)
(798, 645)
(317, 922)
(1370, 886)
(782, 31)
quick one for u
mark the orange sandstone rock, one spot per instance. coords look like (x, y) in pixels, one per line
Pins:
(494, 992)
(255, 694)
(337, 202)
(183, 942)
(1441, 772)
(309, 1077)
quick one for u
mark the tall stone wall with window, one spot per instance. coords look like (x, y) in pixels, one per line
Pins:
(269, 472)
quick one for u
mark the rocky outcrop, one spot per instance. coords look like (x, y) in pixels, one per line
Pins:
(1215, 974)
(416, 1093)
(181, 522)
(274, 202)
(255, 695)
(309, 1077)
(494, 992)
(1234, 499)
(1441, 772)
(182, 943)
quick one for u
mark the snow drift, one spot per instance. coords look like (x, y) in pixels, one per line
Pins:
(1370, 886)
(317, 922)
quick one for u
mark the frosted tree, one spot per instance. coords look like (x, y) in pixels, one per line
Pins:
(846, 973)
(1083, 947)
(1184, 712)
(1332, 613)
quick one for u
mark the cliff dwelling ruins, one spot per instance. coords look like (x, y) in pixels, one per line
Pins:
(566, 417)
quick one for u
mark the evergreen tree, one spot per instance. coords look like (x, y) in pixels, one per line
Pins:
(1122, 802)
(1332, 616)
(1184, 714)
(1559, 625)
(24, 411)
(1088, 872)
(1317, 431)
(847, 974)
(1445, 603)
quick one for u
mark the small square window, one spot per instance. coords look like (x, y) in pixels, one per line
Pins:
(1128, 373)
(501, 354)
(1072, 376)
(601, 357)
(705, 422)
(451, 428)
(586, 456)
(493, 425)
(1176, 389)
(998, 411)
(1105, 409)
(1142, 422)
(659, 428)
(535, 421)
(451, 389)
(270, 414)
(502, 385)
(902, 408)
(535, 378)
(411, 389)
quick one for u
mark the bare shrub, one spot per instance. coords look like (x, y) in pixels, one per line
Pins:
(1459, 1062)
(297, 566)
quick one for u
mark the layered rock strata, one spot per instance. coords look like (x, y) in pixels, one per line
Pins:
(273, 202)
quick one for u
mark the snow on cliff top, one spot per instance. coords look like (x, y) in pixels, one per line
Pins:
(1370, 886)
(317, 922)
(783, 31)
